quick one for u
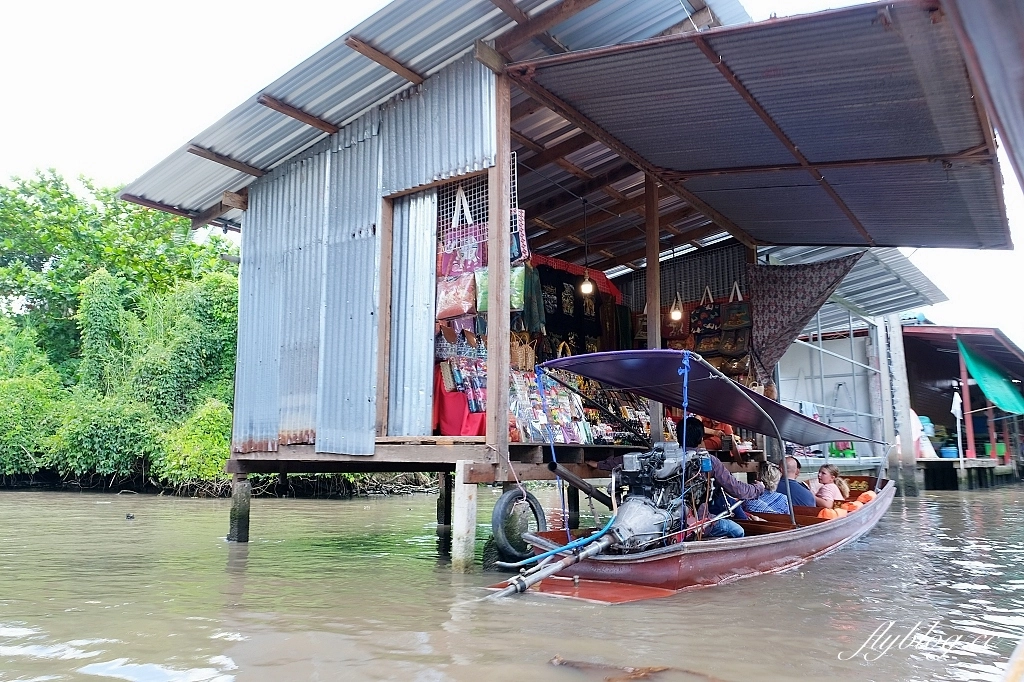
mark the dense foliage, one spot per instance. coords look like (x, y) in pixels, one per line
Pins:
(117, 338)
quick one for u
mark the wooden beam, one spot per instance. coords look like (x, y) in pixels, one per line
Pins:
(523, 76)
(681, 240)
(599, 218)
(384, 60)
(664, 222)
(567, 197)
(702, 18)
(525, 108)
(561, 163)
(520, 17)
(556, 152)
(386, 232)
(776, 130)
(653, 282)
(210, 214)
(298, 114)
(239, 199)
(499, 186)
(156, 205)
(540, 23)
(211, 155)
(489, 57)
(973, 155)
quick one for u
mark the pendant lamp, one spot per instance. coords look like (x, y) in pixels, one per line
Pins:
(587, 286)
(676, 312)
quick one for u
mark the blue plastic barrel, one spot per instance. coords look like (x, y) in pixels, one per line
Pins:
(948, 451)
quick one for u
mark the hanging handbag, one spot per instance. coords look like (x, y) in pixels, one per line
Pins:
(563, 350)
(463, 246)
(709, 344)
(520, 250)
(707, 316)
(456, 296)
(735, 342)
(444, 343)
(736, 313)
(641, 326)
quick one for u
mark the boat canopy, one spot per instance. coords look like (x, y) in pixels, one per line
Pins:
(659, 375)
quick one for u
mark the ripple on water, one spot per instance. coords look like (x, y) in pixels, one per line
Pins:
(357, 590)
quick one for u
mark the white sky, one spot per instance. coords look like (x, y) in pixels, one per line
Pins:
(108, 88)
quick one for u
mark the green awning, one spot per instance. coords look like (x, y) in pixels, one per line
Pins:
(993, 381)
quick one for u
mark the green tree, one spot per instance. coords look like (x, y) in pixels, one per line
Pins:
(53, 237)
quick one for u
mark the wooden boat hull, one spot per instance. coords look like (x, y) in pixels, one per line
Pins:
(705, 563)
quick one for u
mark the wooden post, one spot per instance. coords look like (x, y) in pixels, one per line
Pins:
(1006, 440)
(241, 493)
(463, 520)
(445, 491)
(653, 289)
(965, 396)
(387, 216)
(990, 412)
(573, 496)
(498, 296)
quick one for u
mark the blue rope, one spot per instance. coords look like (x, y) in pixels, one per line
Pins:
(684, 371)
(551, 442)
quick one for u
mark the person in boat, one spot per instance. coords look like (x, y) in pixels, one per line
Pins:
(707, 491)
(770, 501)
(718, 437)
(802, 497)
(832, 489)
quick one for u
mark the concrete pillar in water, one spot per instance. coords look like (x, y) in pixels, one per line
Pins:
(241, 493)
(463, 521)
(902, 460)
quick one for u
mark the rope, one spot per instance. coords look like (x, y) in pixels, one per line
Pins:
(684, 371)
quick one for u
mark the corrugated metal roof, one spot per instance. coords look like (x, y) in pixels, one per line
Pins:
(884, 281)
(338, 85)
(867, 86)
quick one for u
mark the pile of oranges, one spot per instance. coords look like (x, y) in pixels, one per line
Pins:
(847, 507)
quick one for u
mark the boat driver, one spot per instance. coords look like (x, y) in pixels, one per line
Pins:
(707, 490)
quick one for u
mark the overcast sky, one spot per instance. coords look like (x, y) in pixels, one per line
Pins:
(108, 88)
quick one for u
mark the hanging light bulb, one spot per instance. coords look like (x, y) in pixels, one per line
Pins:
(676, 313)
(587, 286)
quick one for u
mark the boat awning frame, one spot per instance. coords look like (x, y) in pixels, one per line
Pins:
(658, 375)
(851, 127)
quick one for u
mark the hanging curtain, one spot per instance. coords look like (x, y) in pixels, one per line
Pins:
(994, 382)
(785, 298)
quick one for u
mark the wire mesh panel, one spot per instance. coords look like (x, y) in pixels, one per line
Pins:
(717, 268)
(462, 213)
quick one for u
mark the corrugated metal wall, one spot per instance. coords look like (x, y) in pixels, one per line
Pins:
(279, 308)
(310, 282)
(440, 129)
(716, 267)
(347, 405)
(413, 272)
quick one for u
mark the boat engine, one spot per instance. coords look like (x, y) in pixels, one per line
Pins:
(653, 485)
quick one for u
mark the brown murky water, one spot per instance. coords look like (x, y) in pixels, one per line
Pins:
(356, 590)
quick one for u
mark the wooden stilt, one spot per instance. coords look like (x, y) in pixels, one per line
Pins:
(241, 493)
(574, 507)
(463, 521)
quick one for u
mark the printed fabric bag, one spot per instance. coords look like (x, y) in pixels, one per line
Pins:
(481, 289)
(736, 313)
(708, 344)
(520, 250)
(463, 246)
(707, 316)
(444, 343)
(735, 342)
(456, 296)
(517, 287)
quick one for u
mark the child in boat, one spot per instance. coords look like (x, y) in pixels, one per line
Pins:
(832, 487)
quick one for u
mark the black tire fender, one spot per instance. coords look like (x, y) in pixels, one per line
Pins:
(502, 510)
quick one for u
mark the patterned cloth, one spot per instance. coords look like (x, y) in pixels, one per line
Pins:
(785, 298)
(768, 503)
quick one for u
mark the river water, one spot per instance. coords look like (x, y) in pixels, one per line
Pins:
(356, 590)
